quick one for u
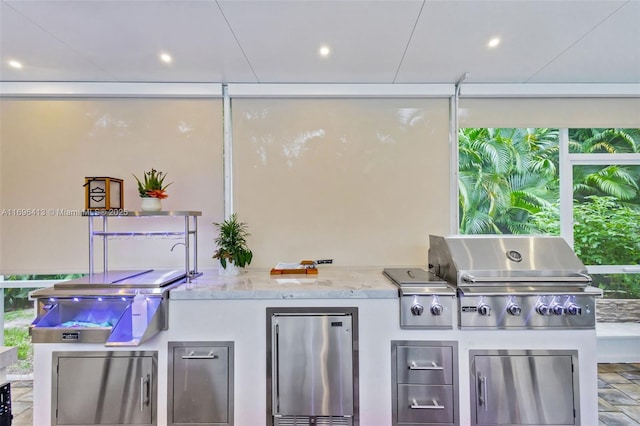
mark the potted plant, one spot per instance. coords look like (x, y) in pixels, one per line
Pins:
(152, 189)
(232, 251)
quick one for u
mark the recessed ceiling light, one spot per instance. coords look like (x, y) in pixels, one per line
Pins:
(324, 51)
(15, 64)
(494, 42)
(166, 58)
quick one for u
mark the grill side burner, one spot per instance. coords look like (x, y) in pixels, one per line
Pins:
(515, 281)
(426, 301)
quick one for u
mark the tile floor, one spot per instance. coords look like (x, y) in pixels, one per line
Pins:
(22, 402)
(619, 394)
(618, 397)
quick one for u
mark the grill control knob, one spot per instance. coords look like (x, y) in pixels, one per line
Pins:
(543, 309)
(574, 309)
(437, 309)
(417, 309)
(557, 309)
(514, 309)
(484, 309)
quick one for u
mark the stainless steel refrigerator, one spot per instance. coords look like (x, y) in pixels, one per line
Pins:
(312, 368)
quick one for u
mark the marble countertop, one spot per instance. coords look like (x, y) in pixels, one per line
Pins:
(329, 283)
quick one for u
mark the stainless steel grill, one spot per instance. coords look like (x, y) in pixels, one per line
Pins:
(515, 281)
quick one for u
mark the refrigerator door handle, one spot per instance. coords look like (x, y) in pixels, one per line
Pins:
(274, 368)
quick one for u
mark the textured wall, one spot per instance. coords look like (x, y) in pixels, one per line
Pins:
(618, 310)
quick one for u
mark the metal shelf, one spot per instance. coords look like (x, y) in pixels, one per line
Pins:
(190, 231)
(142, 233)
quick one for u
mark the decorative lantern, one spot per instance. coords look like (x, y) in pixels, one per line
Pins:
(103, 193)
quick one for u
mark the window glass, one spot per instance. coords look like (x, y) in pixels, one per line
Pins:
(618, 286)
(509, 184)
(604, 141)
(19, 312)
(606, 214)
(507, 176)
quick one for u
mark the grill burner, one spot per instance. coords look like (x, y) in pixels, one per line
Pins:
(515, 281)
(426, 301)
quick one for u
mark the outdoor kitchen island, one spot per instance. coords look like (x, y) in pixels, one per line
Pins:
(225, 310)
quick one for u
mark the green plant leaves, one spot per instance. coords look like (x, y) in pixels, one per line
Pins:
(232, 242)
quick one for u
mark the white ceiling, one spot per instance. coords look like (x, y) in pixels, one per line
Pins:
(268, 41)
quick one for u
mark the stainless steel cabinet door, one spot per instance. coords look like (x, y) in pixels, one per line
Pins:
(95, 390)
(200, 391)
(313, 365)
(524, 390)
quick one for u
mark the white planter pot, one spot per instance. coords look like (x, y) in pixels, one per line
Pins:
(230, 271)
(150, 204)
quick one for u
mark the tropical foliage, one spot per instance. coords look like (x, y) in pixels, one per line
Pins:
(509, 184)
(591, 141)
(508, 175)
(618, 181)
(505, 175)
(605, 232)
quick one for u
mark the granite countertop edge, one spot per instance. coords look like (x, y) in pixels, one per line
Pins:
(338, 283)
(282, 294)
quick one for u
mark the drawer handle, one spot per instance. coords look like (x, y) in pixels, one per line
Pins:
(433, 366)
(415, 406)
(192, 355)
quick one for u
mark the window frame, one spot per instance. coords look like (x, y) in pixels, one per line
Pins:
(567, 161)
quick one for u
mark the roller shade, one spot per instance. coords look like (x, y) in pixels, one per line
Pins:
(362, 181)
(549, 112)
(48, 146)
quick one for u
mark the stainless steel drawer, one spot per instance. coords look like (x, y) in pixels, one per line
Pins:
(425, 404)
(425, 365)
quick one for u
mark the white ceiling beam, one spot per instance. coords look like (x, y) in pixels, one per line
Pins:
(548, 90)
(340, 90)
(240, 90)
(120, 90)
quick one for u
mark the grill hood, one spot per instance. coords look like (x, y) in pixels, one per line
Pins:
(505, 260)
